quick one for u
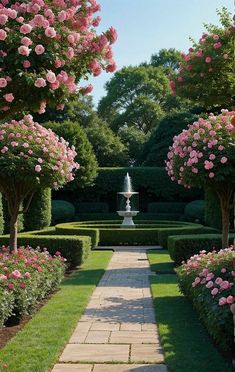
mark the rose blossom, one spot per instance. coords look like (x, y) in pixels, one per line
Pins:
(40, 83)
(50, 76)
(9, 97)
(39, 49)
(25, 29)
(24, 50)
(3, 35)
(50, 32)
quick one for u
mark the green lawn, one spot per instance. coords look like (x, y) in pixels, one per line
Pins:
(186, 344)
(160, 261)
(38, 345)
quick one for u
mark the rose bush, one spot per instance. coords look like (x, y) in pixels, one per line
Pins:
(204, 154)
(208, 280)
(26, 277)
(46, 47)
(207, 70)
(31, 157)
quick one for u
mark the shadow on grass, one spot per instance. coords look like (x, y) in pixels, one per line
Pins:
(186, 344)
(161, 262)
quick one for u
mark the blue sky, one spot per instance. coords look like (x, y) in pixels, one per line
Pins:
(146, 26)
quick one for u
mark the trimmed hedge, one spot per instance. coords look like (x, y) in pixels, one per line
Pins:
(163, 234)
(74, 248)
(174, 207)
(140, 216)
(183, 247)
(70, 229)
(213, 215)
(39, 213)
(91, 207)
(195, 211)
(62, 211)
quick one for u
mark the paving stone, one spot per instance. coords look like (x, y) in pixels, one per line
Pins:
(146, 353)
(130, 367)
(134, 337)
(130, 327)
(72, 368)
(92, 353)
(149, 326)
(102, 326)
(97, 337)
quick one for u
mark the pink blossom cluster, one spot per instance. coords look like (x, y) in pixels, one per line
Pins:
(204, 151)
(37, 152)
(47, 47)
(204, 58)
(213, 273)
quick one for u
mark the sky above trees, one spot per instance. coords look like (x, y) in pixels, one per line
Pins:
(146, 26)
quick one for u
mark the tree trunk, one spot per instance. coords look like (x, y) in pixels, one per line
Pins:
(13, 232)
(225, 194)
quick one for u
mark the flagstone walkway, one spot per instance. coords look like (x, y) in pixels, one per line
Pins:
(118, 325)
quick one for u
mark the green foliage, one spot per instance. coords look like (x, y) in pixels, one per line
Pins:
(6, 305)
(62, 211)
(135, 96)
(72, 229)
(163, 234)
(76, 136)
(213, 215)
(195, 211)
(91, 207)
(167, 58)
(38, 215)
(173, 207)
(156, 148)
(134, 140)
(109, 149)
(183, 247)
(140, 216)
(6, 218)
(1, 216)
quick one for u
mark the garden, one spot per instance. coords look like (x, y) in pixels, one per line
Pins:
(168, 127)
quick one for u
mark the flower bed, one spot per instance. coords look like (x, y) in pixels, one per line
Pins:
(208, 280)
(26, 277)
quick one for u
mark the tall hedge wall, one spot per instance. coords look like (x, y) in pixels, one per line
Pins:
(213, 216)
(39, 214)
(152, 183)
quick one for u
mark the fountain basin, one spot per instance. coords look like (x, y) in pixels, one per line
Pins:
(127, 221)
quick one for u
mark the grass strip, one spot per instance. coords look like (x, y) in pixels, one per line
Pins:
(160, 261)
(187, 346)
(38, 345)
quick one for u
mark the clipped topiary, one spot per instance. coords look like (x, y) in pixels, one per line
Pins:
(38, 215)
(195, 211)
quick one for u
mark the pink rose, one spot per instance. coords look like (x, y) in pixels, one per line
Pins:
(26, 41)
(9, 97)
(50, 76)
(209, 284)
(25, 29)
(214, 291)
(222, 301)
(208, 59)
(3, 35)
(38, 168)
(40, 83)
(39, 49)
(211, 175)
(24, 50)
(26, 64)
(10, 286)
(3, 82)
(223, 160)
(50, 32)
(3, 19)
(230, 300)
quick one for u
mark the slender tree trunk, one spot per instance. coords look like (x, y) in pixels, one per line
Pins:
(225, 194)
(13, 232)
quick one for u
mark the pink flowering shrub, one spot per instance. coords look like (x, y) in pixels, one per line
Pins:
(26, 277)
(208, 280)
(31, 157)
(207, 70)
(46, 48)
(204, 154)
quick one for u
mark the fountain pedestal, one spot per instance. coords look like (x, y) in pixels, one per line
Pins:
(127, 220)
(127, 213)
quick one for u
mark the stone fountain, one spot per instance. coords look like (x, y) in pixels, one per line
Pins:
(128, 213)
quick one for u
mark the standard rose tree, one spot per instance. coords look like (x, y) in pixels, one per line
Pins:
(46, 47)
(204, 155)
(207, 70)
(31, 157)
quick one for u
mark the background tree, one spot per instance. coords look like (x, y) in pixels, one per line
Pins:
(31, 157)
(134, 140)
(204, 156)
(73, 133)
(207, 71)
(167, 58)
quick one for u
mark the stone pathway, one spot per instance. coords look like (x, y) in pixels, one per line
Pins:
(118, 325)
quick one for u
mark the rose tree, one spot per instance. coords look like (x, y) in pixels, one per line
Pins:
(46, 47)
(204, 155)
(207, 70)
(31, 157)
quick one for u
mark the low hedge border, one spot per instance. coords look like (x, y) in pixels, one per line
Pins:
(111, 234)
(183, 247)
(74, 248)
(140, 216)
